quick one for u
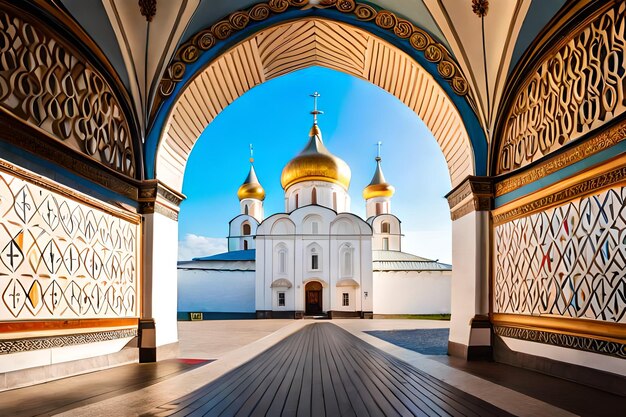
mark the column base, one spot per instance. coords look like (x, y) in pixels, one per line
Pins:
(479, 347)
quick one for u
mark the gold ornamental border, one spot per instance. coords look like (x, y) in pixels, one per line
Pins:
(612, 332)
(598, 143)
(204, 40)
(610, 174)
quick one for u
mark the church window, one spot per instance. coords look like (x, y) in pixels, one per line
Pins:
(314, 261)
(346, 264)
(282, 262)
(314, 196)
(281, 299)
(314, 228)
(334, 201)
(379, 208)
(246, 229)
(346, 299)
(385, 243)
(245, 209)
(296, 200)
(245, 245)
(384, 227)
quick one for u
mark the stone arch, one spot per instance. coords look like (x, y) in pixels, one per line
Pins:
(278, 50)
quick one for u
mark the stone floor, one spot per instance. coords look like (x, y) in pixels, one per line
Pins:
(140, 388)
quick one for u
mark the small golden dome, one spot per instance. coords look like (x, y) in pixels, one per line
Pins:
(251, 188)
(378, 187)
(316, 163)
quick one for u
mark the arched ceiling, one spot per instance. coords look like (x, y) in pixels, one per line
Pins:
(140, 51)
(299, 44)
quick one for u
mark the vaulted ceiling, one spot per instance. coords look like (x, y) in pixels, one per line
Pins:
(486, 49)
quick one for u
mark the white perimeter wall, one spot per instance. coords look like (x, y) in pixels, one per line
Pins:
(411, 292)
(216, 291)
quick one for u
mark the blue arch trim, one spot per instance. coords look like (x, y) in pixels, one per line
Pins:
(472, 125)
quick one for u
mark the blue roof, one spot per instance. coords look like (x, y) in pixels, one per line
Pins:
(236, 255)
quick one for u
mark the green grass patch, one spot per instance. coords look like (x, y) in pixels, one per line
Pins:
(414, 316)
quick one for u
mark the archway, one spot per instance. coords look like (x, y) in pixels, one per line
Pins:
(315, 41)
(279, 50)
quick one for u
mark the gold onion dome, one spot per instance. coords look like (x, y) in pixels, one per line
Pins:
(251, 188)
(378, 187)
(316, 163)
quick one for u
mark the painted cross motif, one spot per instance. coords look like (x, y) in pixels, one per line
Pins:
(12, 255)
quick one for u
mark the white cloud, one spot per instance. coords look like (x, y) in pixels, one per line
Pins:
(431, 244)
(194, 246)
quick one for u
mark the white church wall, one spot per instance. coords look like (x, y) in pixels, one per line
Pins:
(216, 291)
(393, 237)
(412, 292)
(324, 196)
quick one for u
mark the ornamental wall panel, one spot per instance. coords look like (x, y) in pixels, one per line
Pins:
(63, 259)
(567, 261)
(576, 89)
(46, 84)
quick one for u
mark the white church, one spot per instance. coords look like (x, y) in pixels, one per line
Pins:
(317, 258)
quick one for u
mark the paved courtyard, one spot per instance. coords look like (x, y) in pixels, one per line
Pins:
(248, 366)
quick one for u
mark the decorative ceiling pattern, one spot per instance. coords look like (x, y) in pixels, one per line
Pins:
(296, 45)
(206, 39)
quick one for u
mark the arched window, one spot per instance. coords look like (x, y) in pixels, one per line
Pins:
(245, 245)
(379, 208)
(384, 227)
(282, 262)
(334, 201)
(315, 262)
(297, 200)
(314, 196)
(346, 263)
(385, 243)
(246, 229)
(245, 209)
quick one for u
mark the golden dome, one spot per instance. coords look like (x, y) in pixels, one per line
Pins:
(251, 188)
(316, 163)
(378, 187)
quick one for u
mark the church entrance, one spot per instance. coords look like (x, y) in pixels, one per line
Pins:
(313, 299)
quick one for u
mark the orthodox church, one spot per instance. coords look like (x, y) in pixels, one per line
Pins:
(316, 258)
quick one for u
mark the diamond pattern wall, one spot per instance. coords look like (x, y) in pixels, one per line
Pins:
(565, 261)
(63, 259)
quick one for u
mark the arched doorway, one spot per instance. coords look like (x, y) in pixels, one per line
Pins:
(313, 298)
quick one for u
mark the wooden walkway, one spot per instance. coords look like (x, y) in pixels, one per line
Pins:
(322, 370)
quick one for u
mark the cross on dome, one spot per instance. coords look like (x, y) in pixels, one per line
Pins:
(315, 111)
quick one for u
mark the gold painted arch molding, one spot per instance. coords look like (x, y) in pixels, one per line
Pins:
(278, 50)
(204, 40)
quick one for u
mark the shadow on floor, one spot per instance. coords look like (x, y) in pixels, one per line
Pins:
(68, 393)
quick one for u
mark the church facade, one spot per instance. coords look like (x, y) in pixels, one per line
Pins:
(317, 258)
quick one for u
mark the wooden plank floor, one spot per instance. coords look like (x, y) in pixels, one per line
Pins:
(322, 370)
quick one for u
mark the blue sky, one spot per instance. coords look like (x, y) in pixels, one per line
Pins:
(275, 118)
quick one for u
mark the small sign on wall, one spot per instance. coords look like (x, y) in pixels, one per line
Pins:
(195, 316)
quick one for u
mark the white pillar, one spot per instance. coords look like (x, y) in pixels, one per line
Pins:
(158, 325)
(470, 328)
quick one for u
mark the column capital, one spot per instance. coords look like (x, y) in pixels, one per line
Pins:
(472, 194)
(157, 197)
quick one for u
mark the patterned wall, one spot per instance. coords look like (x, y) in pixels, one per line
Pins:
(575, 90)
(63, 259)
(565, 261)
(46, 84)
